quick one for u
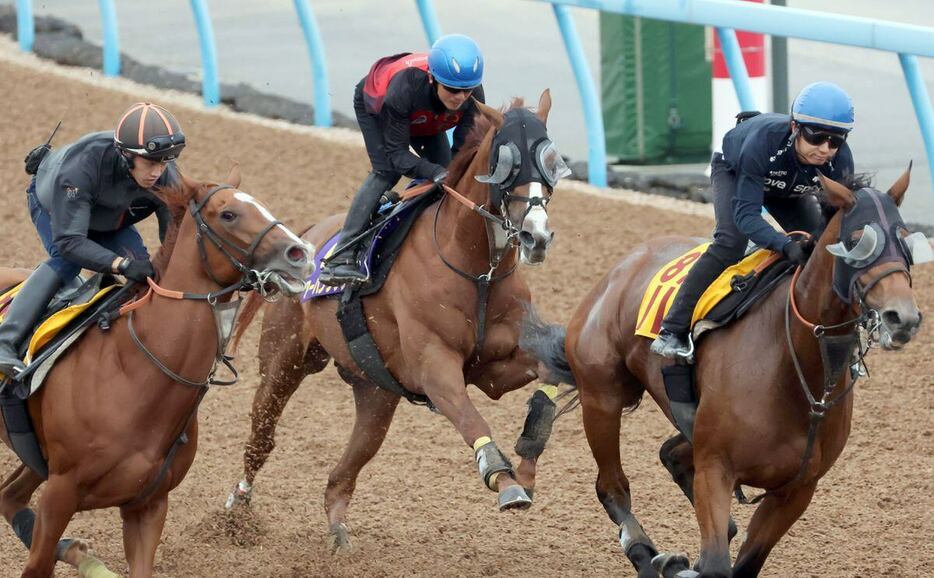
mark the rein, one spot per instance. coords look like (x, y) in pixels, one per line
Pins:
(482, 281)
(833, 348)
(224, 315)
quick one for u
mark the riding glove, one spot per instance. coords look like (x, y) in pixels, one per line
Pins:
(137, 269)
(795, 251)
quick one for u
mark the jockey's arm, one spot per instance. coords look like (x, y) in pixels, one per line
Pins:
(747, 206)
(71, 216)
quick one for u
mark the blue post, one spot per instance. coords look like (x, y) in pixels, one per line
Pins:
(596, 141)
(319, 64)
(922, 103)
(210, 87)
(111, 38)
(25, 25)
(733, 56)
(426, 8)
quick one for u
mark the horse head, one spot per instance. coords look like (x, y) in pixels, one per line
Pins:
(241, 242)
(524, 169)
(873, 257)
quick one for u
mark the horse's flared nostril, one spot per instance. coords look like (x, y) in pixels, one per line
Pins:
(296, 255)
(892, 318)
(527, 239)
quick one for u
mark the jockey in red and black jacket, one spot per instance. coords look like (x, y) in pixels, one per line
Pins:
(408, 101)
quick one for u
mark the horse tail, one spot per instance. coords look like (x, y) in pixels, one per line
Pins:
(545, 342)
(252, 303)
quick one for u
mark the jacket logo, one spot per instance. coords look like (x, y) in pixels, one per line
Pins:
(420, 119)
(71, 192)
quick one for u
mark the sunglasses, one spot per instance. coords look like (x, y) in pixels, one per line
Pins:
(819, 137)
(453, 90)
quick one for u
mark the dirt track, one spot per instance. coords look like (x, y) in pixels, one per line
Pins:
(419, 508)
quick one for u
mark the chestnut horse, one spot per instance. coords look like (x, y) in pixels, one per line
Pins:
(425, 318)
(111, 408)
(752, 425)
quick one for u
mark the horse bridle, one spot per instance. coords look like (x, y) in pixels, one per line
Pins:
(865, 333)
(224, 313)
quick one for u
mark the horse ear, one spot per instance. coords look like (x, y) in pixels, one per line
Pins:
(494, 116)
(897, 190)
(233, 177)
(837, 195)
(544, 106)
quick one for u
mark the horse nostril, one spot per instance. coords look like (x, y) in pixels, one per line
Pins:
(892, 318)
(296, 255)
(526, 239)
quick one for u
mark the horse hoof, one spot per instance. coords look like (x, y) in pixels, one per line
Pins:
(672, 565)
(514, 498)
(339, 539)
(240, 496)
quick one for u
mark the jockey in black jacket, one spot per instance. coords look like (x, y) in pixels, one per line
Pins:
(768, 160)
(408, 100)
(84, 201)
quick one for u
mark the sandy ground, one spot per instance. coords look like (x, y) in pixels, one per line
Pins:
(419, 507)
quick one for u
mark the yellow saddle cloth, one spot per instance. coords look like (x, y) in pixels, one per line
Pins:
(664, 286)
(54, 324)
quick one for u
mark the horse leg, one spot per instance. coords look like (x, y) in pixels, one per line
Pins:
(507, 375)
(774, 516)
(677, 455)
(283, 365)
(447, 390)
(713, 486)
(602, 402)
(142, 530)
(58, 504)
(375, 408)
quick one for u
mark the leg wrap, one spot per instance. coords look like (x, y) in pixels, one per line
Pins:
(490, 461)
(23, 522)
(538, 424)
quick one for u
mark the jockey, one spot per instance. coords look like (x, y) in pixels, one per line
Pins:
(768, 160)
(408, 99)
(84, 200)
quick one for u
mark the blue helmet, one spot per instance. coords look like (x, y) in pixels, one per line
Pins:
(824, 104)
(455, 61)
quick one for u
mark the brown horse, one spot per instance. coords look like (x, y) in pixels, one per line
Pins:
(110, 409)
(427, 332)
(752, 425)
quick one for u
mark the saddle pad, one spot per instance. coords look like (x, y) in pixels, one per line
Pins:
(663, 287)
(382, 248)
(58, 321)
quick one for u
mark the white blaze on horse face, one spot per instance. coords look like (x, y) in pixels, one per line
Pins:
(248, 199)
(536, 222)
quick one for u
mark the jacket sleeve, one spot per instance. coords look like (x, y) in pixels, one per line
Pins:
(71, 217)
(396, 137)
(747, 205)
(467, 120)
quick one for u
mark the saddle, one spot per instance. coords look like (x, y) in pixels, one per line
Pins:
(728, 298)
(382, 239)
(71, 312)
(67, 315)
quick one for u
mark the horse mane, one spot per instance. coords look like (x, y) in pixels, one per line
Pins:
(175, 195)
(468, 150)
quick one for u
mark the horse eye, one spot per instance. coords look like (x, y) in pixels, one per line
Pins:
(228, 216)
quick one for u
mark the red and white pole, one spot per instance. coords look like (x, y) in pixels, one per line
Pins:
(725, 104)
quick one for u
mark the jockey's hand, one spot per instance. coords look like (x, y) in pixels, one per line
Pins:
(439, 176)
(137, 270)
(796, 251)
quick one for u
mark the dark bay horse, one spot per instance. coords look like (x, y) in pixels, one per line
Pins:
(108, 413)
(752, 425)
(425, 318)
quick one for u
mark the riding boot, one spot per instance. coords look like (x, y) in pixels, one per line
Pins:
(673, 340)
(25, 311)
(342, 267)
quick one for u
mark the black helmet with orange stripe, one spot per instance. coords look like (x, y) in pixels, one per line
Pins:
(149, 131)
